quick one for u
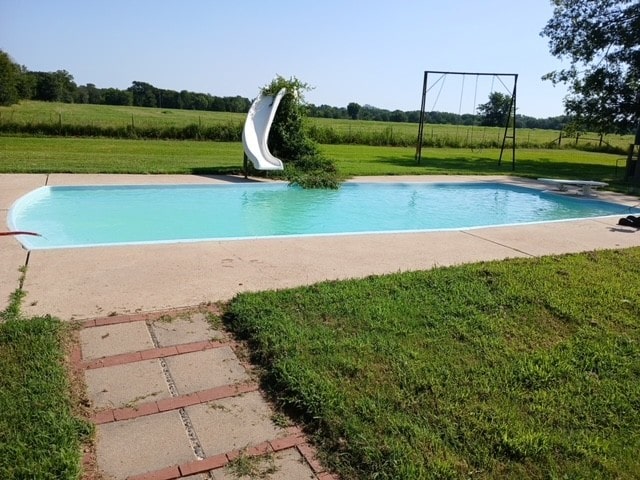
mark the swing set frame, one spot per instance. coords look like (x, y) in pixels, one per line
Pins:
(510, 114)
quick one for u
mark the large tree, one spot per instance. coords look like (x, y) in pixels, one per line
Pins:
(601, 39)
(494, 112)
(144, 94)
(9, 80)
(353, 109)
(55, 86)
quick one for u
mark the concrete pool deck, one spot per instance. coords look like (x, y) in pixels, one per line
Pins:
(79, 283)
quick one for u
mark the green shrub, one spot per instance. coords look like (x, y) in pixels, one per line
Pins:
(289, 140)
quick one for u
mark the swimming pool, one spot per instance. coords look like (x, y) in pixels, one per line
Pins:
(112, 215)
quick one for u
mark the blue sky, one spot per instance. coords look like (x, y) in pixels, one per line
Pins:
(366, 51)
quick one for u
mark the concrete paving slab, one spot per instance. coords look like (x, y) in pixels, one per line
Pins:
(144, 444)
(284, 465)
(184, 329)
(87, 282)
(12, 255)
(13, 186)
(126, 385)
(196, 371)
(98, 342)
(563, 237)
(12, 258)
(233, 423)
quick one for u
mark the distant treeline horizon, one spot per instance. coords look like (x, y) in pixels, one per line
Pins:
(59, 86)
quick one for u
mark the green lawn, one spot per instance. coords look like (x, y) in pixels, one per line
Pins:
(105, 155)
(518, 369)
(355, 160)
(40, 437)
(100, 155)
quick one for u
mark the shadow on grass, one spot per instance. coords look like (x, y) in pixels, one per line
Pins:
(538, 168)
(482, 165)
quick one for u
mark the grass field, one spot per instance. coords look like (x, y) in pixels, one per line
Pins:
(520, 369)
(465, 134)
(99, 155)
(404, 133)
(111, 115)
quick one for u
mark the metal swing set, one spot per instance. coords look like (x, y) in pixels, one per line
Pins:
(510, 117)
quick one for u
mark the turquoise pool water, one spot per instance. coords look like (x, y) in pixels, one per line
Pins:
(111, 215)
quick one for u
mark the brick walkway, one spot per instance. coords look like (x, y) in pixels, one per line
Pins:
(171, 399)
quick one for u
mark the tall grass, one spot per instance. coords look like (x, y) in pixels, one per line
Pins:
(60, 119)
(35, 112)
(222, 132)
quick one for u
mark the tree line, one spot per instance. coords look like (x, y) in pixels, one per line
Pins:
(492, 115)
(18, 83)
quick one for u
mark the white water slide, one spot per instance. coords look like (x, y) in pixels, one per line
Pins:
(256, 131)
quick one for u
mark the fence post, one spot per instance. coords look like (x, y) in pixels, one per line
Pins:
(560, 139)
(632, 165)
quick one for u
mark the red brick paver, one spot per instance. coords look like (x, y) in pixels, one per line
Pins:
(294, 438)
(200, 466)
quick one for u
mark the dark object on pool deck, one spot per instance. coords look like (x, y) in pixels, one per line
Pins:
(630, 221)
(20, 233)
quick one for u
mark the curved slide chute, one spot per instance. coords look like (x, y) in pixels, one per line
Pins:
(256, 131)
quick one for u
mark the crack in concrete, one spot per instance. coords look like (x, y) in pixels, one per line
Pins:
(497, 243)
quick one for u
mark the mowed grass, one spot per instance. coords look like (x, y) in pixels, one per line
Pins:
(104, 155)
(39, 435)
(100, 155)
(353, 160)
(520, 369)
